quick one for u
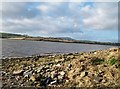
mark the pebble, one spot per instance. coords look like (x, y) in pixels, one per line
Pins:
(46, 67)
(46, 81)
(53, 82)
(54, 74)
(32, 78)
(69, 65)
(59, 60)
(50, 63)
(2, 73)
(103, 80)
(97, 79)
(62, 73)
(18, 77)
(18, 72)
(82, 68)
(60, 77)
(83, 74)
(58, 65)
(95, 53)
(39, 69)
(27, 74)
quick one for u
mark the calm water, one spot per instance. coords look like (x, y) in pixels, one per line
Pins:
(17, 48)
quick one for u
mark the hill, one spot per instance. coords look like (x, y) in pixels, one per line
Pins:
(10, 35)
(53, 39)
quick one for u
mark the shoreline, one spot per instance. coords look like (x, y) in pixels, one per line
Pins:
(51, 54)
(84, 69)
(64, 41)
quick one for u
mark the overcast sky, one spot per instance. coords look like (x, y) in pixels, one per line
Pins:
(81, 20)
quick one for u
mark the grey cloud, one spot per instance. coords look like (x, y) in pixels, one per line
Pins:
(44, 25)
(17, 10)
(101, 17)
(58, 18)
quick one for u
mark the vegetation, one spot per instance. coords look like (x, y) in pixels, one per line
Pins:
(10, 35)
(97, 61)
(112, 61)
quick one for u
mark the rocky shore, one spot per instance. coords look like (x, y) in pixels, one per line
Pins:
(87, 69)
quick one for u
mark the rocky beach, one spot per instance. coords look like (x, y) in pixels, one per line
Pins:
(85, 69)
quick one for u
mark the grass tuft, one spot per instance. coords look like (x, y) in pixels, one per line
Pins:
(97, 61)
(112, 61)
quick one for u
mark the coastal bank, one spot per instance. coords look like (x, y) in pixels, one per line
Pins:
(85, 69)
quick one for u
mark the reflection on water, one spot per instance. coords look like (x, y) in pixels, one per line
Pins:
(17, 48)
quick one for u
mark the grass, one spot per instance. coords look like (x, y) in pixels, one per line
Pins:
(97, 61)
(112, 61)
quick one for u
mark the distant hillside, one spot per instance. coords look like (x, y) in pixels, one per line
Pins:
(10, 35)
(66, 38)
(53, 39)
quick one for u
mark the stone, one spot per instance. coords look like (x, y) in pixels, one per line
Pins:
(97, 79)
(53, 56)
(18, 78)
(72, 71)
(46, 67)
(67, 81)
(82, 68)
(32, 78)
(38, 77)
(50, 63)
(23, 65)
(69, 65)
(95, 53)
(83, 74)
(2, 73)
(27, 74)
(62, 73)
(58, 65)
(53, 82)
(39, 69)
(48, 70)
(60, 77)
(103, 81)
(54, 74)
(18, 72)
(46, 81)
(77, 70)
(100, 74)
(57, 60)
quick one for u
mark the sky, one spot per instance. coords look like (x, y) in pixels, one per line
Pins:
(96, 21)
